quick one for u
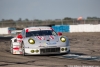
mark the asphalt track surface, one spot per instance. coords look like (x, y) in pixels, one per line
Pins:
(85, 52)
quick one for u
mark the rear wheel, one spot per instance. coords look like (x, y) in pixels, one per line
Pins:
(23, 49)
(11, 48)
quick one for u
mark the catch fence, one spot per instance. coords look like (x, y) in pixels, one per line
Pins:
(22, 24)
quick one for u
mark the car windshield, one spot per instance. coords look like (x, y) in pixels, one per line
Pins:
(41, 33)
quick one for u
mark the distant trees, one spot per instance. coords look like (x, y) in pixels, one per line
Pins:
(3, 20)
(8, 20)
(19, 19)
(64, 21)
(26, 19)
(88, 18)
(67, 18)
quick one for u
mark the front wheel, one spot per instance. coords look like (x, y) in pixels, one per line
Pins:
(68, 52)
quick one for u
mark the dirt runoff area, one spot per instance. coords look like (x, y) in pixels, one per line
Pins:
(86, 43)
(80, 43)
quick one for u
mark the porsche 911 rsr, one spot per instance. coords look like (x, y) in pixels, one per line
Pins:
(39, 40)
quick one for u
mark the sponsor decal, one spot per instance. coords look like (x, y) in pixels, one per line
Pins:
(33, 29)
(51, 43)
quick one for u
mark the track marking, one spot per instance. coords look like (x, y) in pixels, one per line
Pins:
(82, 57)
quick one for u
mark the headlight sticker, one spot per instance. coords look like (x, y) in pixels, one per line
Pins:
(31, 41)
(63, 39)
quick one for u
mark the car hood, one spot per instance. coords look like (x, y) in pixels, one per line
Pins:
(42, 41)
(50, 38)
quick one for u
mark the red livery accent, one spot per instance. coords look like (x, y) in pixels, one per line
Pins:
(16, 48)
(59, 33)
(19, 36)
(27, 30)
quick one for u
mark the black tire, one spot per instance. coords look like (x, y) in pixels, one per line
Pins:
(11, 48)
(23, 49)
(68, 52)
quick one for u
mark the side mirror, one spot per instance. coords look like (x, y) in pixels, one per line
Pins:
(59, 33)
(19, 36)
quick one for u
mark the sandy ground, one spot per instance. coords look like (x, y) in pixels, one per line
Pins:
(80, 43)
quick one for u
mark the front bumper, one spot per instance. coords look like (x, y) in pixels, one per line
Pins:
(43, 51)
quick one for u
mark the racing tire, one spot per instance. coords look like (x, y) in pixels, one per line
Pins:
(23, 49)
(68, 52)
(11, 48)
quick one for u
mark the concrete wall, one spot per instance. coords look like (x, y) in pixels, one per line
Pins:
(85, 28)
(60, 28)
(6, 30)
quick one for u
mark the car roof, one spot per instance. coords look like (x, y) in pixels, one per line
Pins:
(34, 28)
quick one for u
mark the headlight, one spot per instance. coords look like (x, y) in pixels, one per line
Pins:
(32, 51)
(63, 39)
(62, 49)
(37, 51)
(31, 41)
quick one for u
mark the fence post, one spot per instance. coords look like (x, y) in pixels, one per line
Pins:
(32, 23)
(84, 21)
(2, 24)
(15, 24)
(73, 22)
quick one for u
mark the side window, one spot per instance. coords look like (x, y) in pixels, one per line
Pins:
(54, 33)
(23, 33)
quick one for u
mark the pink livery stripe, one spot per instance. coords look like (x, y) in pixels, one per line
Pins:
(40, 37)
(51, 37)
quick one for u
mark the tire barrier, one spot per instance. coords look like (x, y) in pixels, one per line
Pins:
(61, 28)
(77, 28)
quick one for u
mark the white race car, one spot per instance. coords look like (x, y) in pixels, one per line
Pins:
(39, 40)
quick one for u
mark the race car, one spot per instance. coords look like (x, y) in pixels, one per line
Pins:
(39, 40)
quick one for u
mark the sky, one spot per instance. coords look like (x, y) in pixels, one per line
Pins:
(48, 9)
